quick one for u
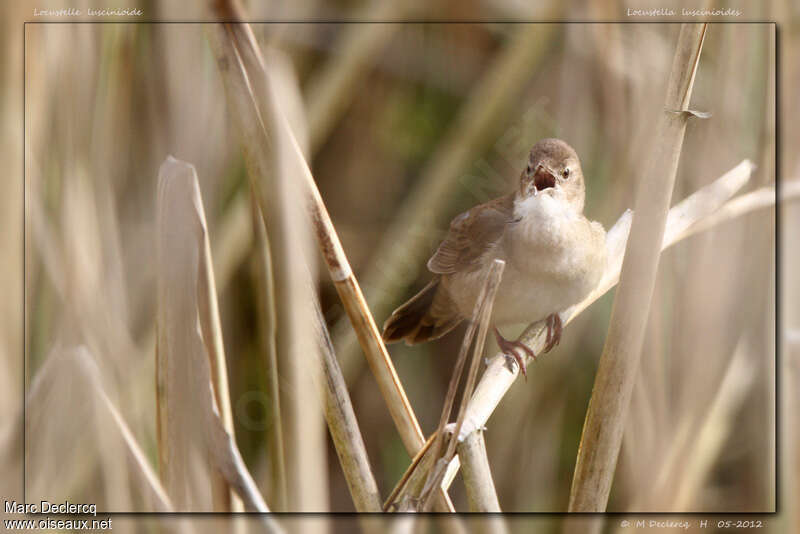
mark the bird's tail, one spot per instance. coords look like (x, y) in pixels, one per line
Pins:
(424, 317)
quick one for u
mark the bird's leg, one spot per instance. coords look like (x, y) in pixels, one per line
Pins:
(509, 349)
(554, 328)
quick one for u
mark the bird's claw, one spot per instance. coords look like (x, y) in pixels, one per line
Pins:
(510, 349)
(554, 327)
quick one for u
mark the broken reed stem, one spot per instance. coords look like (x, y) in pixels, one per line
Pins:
(267, 329)
(481, 316)
(605, 420)
(341, 419)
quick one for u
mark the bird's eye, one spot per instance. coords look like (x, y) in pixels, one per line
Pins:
(565, 174)
(528, 169)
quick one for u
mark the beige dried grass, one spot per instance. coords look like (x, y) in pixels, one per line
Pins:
(191, 429)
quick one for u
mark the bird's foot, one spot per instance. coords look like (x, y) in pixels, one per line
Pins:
(554, 328)
(510, 350)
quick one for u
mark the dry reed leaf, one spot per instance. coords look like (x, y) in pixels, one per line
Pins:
(190, 429)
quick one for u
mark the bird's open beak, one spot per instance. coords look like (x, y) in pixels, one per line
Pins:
(543, 178)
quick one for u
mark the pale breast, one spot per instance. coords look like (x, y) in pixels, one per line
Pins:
(553, 260)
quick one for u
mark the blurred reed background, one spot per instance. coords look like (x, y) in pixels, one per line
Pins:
(404, 126)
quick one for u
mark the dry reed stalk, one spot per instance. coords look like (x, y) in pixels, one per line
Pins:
(189, 424)
(328, 92)
(363, 323)
(481, 316)
(429, 468)
(481, 494)
(405, 242)
(608, 407)
(245, 55)
(269, 160)
(211, 329)
(268, 333)
(487, 303)
(343, 425)
(450, 396)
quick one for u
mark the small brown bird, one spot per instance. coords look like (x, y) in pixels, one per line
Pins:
(554, 257)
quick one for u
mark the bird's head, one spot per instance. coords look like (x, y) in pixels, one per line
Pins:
(553, 169)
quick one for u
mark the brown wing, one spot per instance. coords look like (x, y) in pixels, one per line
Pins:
(471, 234)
